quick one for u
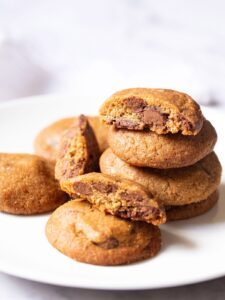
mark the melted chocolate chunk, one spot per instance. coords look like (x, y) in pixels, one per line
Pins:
(82, 188)
(105, 188)
(142, 213)
(76, 168)
(110, 243)
(124, 123)
(135, 104)
(152, 117)
(186, 123)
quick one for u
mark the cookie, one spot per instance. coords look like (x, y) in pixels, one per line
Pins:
(148, 149)
(175, 213)
(78, 151)
(28, 185)
(171, 186)
(158, 110)
(47, 142)
(119, 197)
(87, 235)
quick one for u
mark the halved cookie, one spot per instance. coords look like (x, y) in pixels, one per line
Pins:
(119, 197)
(78, 151)
(158, 110)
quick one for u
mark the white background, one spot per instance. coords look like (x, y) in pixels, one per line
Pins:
(97, 47)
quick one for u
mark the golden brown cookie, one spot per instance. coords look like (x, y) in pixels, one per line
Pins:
(119, 197)
(87, 235)
(158, 110)
(148, 149)
(28, 185)
(175, 213)
(171, 186)
(47, 142)
(78, 151)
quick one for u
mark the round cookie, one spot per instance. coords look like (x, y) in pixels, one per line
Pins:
(47, 142)
(175, 213)
(87, 235)
(158, 110)
(28, 185)
(148, 149)
(172, 186)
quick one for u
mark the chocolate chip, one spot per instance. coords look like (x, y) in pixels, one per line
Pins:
(110, 243)
(152, 117)
(105, 188)
(133, 196)
(127, 124)
(135, 104)
(82, 188)
(185, 123)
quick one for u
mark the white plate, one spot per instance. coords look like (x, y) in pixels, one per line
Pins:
(192, 250)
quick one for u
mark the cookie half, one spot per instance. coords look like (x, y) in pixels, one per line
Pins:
(47, 142)
(175, 213)
(171, 186)
(27, 185)
(78, 151)
(158, 110)
(87, 235)
(119, 197)
(148, 149)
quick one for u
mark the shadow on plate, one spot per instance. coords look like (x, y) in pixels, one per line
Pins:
(174, 239)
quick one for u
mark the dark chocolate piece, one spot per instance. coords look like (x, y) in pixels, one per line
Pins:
(82, 188)
(153, 117)
(110, 243)
(105, 188)
(135, 104)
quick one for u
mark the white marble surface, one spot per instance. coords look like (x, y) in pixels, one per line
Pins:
(96, 47)
(15, 288)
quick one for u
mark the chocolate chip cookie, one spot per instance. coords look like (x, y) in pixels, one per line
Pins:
(47, 142)
(158, 110)
(148, 149)
(181, 212)
(119, 197)
(172, 186)
(27, 185)
(78, 151)
(87, 235)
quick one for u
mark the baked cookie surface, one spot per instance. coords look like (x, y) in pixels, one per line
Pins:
(172, 186)
(78, 152)
(159, 110)
(175, 213)
(47, 142)
(119, 197)
(87, 235)
(148, 149)
(28, 185)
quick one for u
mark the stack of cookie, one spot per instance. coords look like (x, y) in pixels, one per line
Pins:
(101, 225)
(160, 139)
(160, 166)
